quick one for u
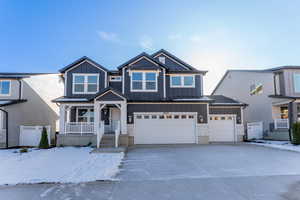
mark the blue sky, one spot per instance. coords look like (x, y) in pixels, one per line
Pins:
(44, 36)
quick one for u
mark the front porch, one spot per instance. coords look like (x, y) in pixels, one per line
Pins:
(98, 124)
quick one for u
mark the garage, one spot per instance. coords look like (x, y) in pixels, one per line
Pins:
(31, 135)
(221, 128)
(161, 128)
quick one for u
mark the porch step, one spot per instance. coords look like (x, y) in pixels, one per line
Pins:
(107, 141)
(109, 150)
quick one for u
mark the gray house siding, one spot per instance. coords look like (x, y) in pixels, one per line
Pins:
(109, 96)
(281, 84)
(85, 68)
(184, 92)
(201, 109)
(38, 110)
(144, 95)
(223, 110)
(289, 88)
(171, 64)
(116, 85)
(14, 89)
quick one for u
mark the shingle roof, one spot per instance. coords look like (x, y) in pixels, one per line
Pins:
(223, 100)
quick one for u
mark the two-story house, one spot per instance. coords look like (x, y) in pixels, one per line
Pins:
(25, 100)
(272, 95)
(150, 99)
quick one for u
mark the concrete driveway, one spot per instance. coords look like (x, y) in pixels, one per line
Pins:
(235, 172)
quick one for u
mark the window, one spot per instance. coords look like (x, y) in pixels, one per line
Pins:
(85, 83)
(162, 59)
(85, 115)
(284, 112)
(256, 89)
(115, 78)
(182, 81)
(144, 81)
(4, 87)
(297, 82)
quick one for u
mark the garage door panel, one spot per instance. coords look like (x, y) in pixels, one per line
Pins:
(164, 131)
(221, 129)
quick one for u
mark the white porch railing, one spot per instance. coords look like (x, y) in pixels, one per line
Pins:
(281, 123)
(112, 126)
(100, 133)
(79, 128)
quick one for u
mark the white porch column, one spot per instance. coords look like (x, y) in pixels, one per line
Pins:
(68, 110)
(62, 119)
(124, 117)
(96, 117)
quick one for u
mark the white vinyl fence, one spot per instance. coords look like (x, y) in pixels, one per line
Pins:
(31, 135)
(254, 130)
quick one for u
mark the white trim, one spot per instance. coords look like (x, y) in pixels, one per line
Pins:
(172, 60)
(89, 108)
(144, 81)
(107, 92)
(9, 90)
(182, 81)
(105, 83)
(85, 83)
(143, 57)
(83, 62)
(65, 89)
(114, 76)
(123, 80)
(164, 82)
(201, 84)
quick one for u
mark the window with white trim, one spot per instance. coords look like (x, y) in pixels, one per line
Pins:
(85, 115)
(85, 83)
(182, 81)
(297, 82)
(144, 81)
(4, 87)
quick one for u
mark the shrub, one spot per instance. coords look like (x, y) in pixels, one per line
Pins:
(296, 133)
(44, 143)
(23, 150)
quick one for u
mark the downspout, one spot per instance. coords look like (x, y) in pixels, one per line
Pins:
(6, 124)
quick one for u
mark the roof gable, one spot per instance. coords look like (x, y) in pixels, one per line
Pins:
(174, 63)
(141, 61)
(108, 94)
(81, 60)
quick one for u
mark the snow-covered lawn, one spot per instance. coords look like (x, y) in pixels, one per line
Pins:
(64, 165)
(284, 145)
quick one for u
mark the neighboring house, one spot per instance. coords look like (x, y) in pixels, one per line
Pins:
(25, 99)
(151, 99)
(272, 95)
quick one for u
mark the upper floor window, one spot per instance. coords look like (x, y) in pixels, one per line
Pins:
(144, 81)
(4, 87)
(256, 89)
(115, 78)
(182, 81)
(85, 83)
(297, 82)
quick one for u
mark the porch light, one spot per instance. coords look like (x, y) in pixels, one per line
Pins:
(238, 119)
(130, 119)
(200, 117)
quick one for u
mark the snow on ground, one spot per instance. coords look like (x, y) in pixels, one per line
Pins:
(63, 165)
(284, 145)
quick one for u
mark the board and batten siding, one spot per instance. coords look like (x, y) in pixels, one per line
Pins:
(85, 68)
(201, 109)
(158, 95)
(194, 92)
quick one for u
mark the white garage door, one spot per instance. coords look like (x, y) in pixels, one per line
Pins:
(31, 135)
(171, 128)
(221, 128)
